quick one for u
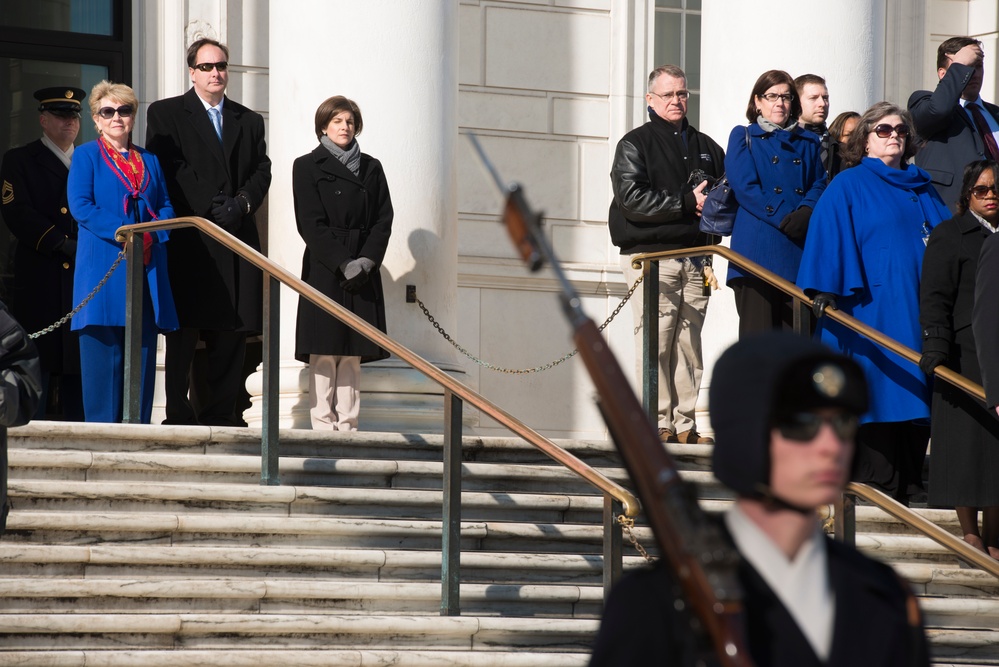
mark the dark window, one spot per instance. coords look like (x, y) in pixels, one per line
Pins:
(72, 43)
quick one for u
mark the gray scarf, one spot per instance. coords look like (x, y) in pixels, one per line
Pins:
(772, 127)
(351, 158)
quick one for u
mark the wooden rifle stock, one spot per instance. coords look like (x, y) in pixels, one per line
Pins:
(702, 560)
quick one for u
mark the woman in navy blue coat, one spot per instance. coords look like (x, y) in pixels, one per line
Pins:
(865, 253)
(112, 183)
(775, 169)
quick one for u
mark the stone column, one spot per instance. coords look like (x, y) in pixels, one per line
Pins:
(398, 61)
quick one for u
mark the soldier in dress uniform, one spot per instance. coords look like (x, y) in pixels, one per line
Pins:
(35, 209)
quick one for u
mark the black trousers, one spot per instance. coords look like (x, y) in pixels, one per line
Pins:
(203, 386)
(762, 307)
(890, 457)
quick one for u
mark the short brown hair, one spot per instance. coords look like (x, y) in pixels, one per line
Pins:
(767, 80)
(856, 146)
(951, 46)
(801, 81)
(192, 50)
(668, 70)
(331, 107)
(114, 91)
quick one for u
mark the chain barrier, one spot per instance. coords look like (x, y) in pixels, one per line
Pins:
(68, 316)
(627, 523)
(523, 371)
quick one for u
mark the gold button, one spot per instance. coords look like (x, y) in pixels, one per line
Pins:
(65, 265)
(63, 210)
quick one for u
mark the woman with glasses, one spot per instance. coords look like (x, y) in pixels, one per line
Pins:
(344, 214)
(965, 435)
(775, 170)
(863, 255)
(113, 182)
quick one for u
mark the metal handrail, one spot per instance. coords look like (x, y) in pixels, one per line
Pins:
(629, 502)
(889, 505)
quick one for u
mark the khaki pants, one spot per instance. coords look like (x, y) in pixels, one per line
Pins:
(334, 392)
(682, 307)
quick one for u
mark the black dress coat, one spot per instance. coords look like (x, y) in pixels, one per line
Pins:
(641, 625)
(951, 138)
(212, 288)
(985, 318)
(36, 211)
(341, 217)
(964, 460)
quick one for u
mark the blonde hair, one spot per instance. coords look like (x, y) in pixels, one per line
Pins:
(114, 91)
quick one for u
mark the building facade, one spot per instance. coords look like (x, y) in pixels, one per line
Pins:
(548, 86)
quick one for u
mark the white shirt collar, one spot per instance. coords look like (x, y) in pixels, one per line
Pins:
(64, 156)
(802, 584)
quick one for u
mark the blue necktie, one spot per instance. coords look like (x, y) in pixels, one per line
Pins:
(216, 117)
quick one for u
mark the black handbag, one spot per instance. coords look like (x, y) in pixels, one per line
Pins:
(720, 207)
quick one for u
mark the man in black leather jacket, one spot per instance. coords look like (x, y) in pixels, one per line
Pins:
(659, 181)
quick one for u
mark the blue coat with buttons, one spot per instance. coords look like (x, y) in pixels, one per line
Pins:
(776, 174)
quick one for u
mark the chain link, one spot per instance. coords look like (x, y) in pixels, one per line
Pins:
(627, 523)
(68, 316)
(523, 371)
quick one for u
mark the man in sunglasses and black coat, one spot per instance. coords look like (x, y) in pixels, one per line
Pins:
(215, 160)
(784, 410)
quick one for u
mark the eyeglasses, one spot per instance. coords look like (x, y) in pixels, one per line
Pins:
(681, 95)
(221, 66)
(804, 426)
(124, 111)
(982, 191)
(884, 130)
(773, 97)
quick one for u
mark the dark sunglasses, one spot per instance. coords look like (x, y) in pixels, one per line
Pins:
(107, 113)
(884, 130)
(982, 191)
(804, 426)
(221, 66)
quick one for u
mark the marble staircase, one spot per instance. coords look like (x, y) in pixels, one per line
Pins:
(147, 545)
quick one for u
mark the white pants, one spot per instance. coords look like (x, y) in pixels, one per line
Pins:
(682, 307)
(334, 392)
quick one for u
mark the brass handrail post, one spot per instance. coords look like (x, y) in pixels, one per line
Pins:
(650, 339)
(613, 544)
(270, 474)
(845, 521)
(451, 508)
(134, 284)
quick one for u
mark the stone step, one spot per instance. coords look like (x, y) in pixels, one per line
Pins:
(298, 443)
(50, 495)
(294, 631)
(133, 562)
(346, 532)
(275, 655)
(273, 595)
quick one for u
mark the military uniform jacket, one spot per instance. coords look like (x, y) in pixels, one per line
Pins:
(641, 625)
(341, 217)
(36, 212)
(212, 288)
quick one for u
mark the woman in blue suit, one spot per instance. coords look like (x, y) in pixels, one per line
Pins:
(113, 183)
(775, 170)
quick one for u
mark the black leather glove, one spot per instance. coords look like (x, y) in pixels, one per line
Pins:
(821, 301)
(227, 212)
(931, 360)
(67, 248)
(795, 224)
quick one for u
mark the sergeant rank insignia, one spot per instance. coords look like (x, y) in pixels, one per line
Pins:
(7, 194)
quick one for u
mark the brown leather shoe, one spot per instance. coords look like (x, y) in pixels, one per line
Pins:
(666, 435)
(692, 437)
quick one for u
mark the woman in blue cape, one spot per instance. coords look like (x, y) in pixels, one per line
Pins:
(864, 254)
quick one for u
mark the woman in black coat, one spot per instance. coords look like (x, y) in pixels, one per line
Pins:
(344, 213)
(964, 464)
